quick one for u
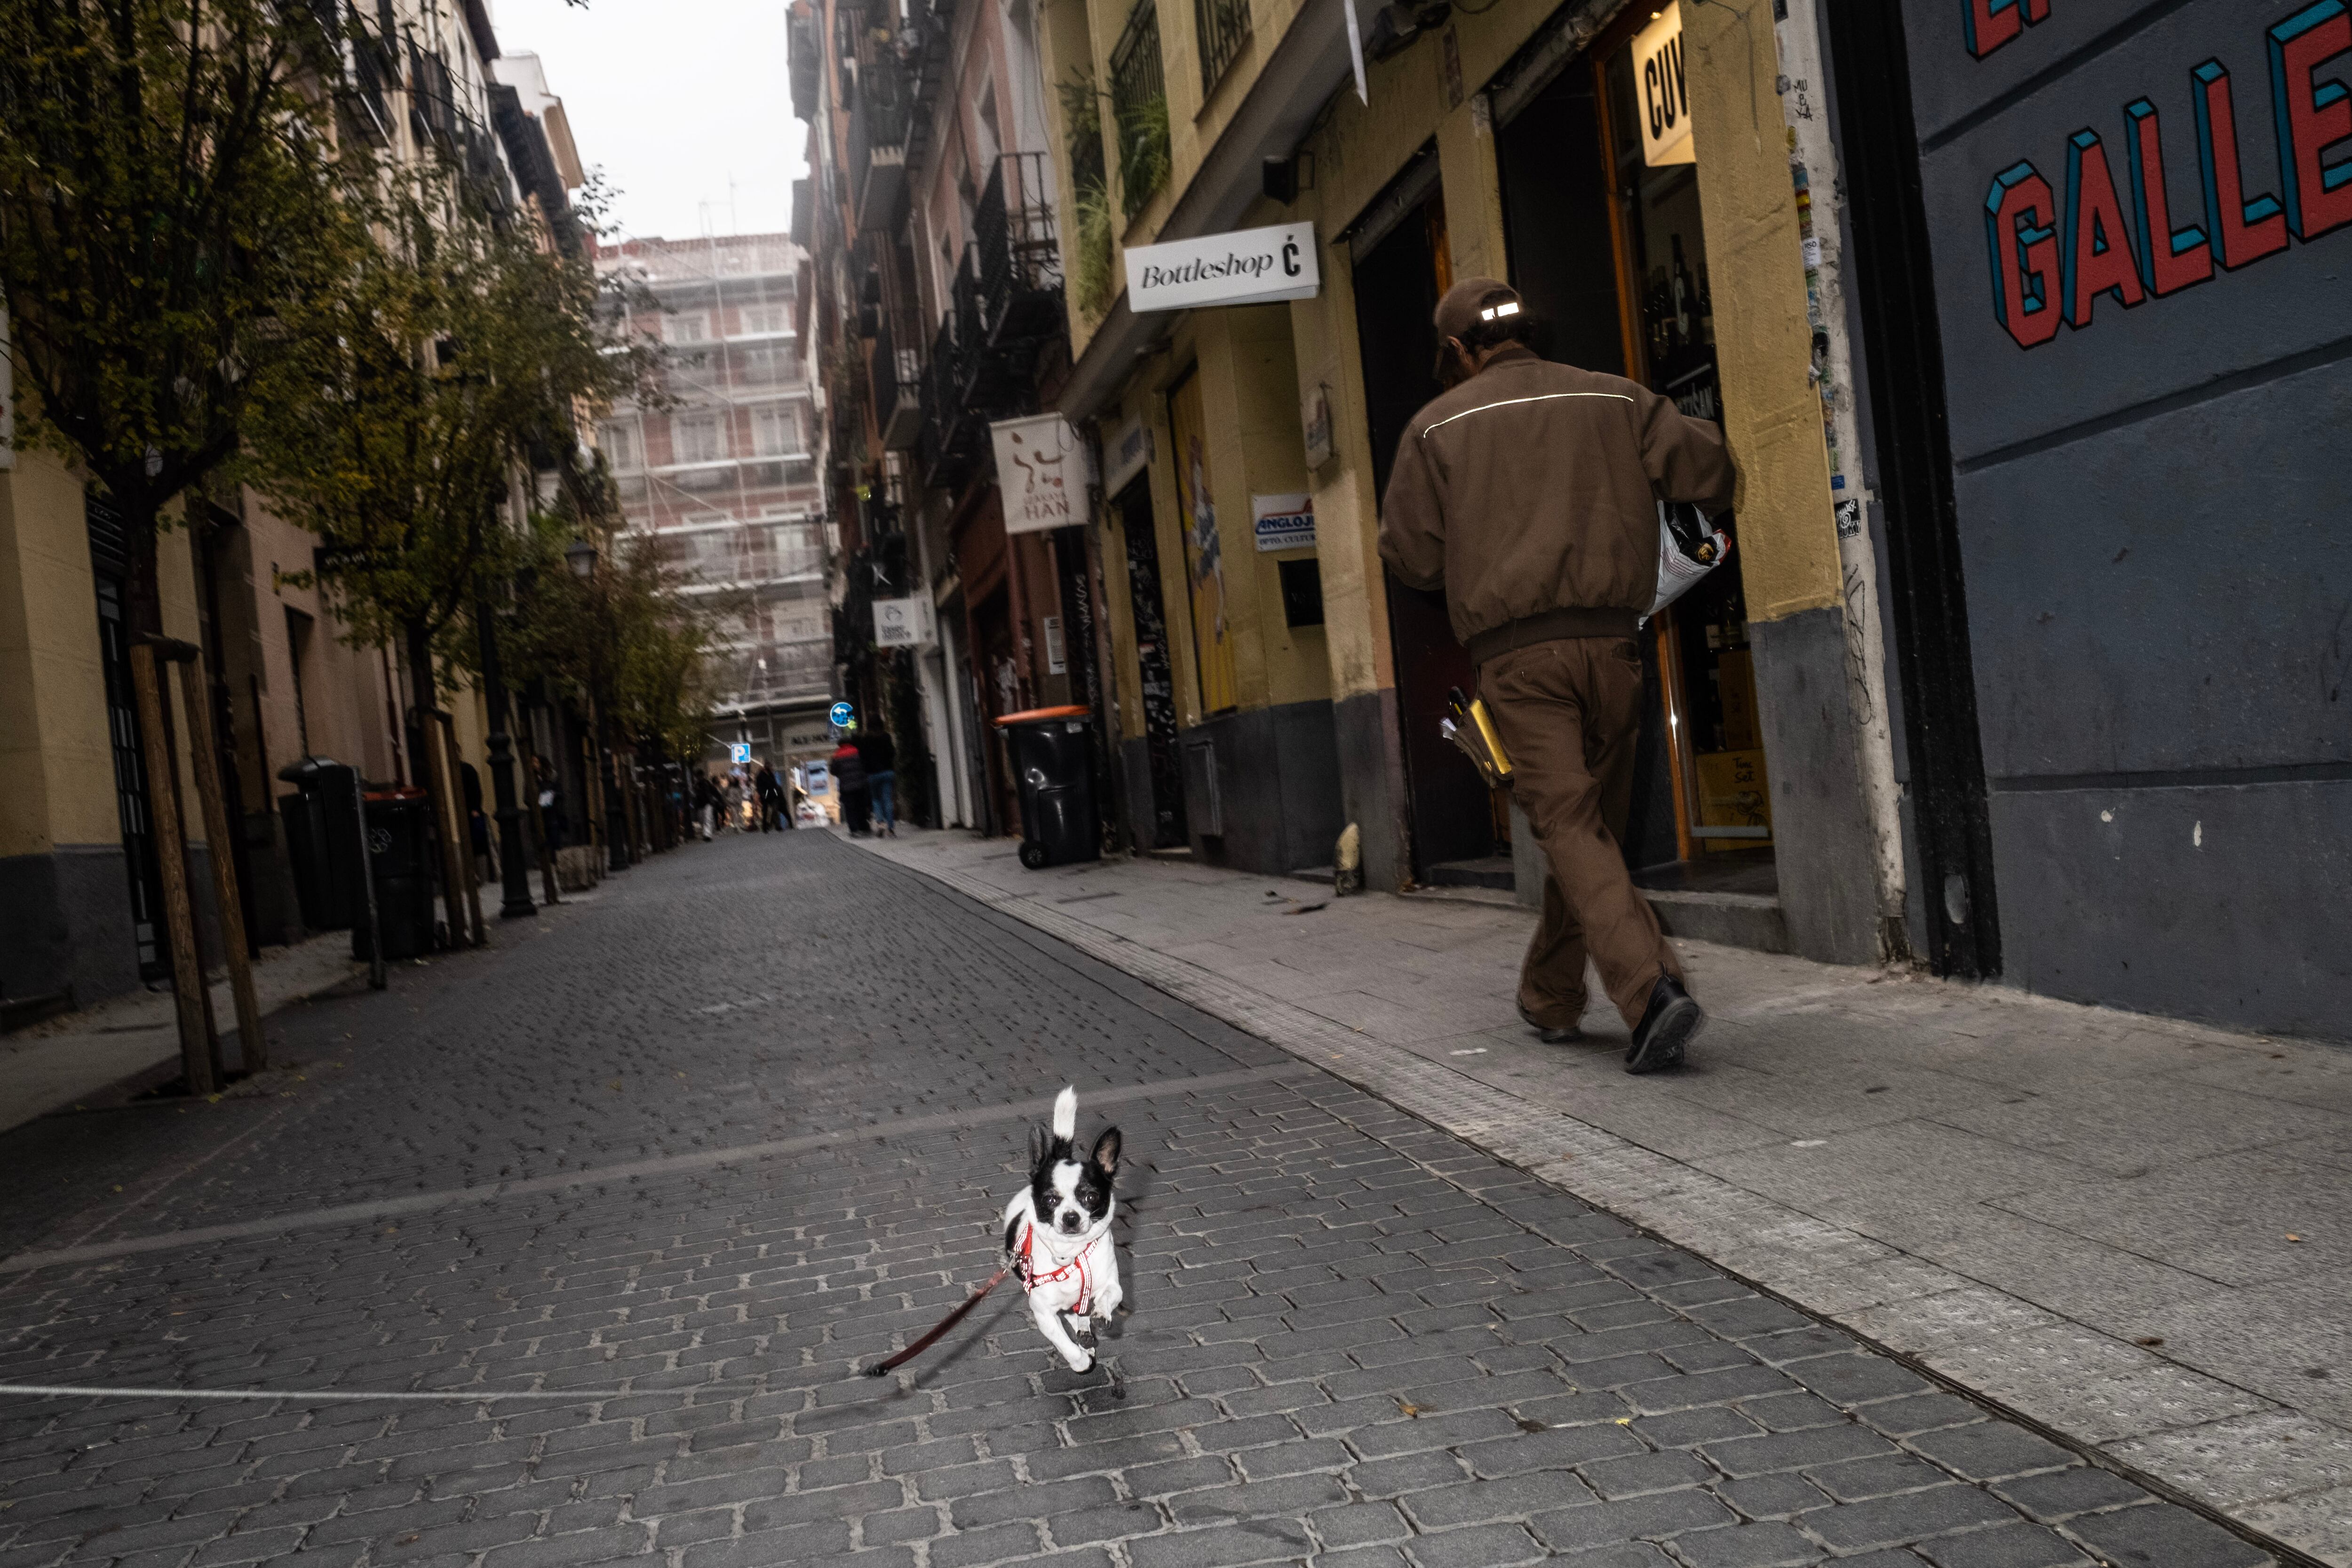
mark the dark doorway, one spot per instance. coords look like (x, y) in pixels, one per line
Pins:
(1557, 218)
(1158, 821)
(1450, 815)
(1903, 356)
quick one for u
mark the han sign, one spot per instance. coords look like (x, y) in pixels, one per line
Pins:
(1042, 473)
(1249, 267)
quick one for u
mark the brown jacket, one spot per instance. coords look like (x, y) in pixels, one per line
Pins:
(1530, 491)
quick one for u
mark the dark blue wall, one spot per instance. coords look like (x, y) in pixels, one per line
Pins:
(2156, 513)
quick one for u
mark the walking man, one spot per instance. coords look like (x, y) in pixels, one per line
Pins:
(771, 797)
(881, 754)
(1530, 491)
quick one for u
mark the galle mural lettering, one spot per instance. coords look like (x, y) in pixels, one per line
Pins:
(2052, 264)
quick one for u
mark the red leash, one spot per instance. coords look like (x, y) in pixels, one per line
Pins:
(883, 1368)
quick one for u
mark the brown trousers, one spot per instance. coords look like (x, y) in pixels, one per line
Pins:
(1570, 716)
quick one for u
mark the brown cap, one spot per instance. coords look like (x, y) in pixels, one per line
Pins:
(1472, 303)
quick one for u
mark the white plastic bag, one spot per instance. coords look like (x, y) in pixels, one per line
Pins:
(1687, 551)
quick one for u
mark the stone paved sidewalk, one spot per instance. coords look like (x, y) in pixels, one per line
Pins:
(52, 1063)
(578, 1248)
(2129, 1230)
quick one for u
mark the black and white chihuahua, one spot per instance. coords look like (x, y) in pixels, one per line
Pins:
(1057, 1233)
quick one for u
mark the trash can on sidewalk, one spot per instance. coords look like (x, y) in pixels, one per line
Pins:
(1053, 757)
(400, 850)
(321, 841)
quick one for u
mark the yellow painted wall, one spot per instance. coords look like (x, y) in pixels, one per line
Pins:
(1788, 532)
(57, 768)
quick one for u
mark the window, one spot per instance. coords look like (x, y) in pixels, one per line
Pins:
(775, 429)
(1138, 102)
(756, 321)
(696, 439)
(760, 365)
(689, 327)
(1222, 26)
(621, 446)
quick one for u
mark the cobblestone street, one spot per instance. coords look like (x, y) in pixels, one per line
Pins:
(571, 1252)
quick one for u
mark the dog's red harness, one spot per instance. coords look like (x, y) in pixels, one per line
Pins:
(1031, 1279)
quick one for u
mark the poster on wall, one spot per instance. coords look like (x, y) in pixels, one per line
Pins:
(1204, 558)
(1042, 473)
(1283, 522)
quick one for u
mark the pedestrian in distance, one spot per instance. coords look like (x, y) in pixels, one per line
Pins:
(730, 804)
(849, 780)
(771, 796)
(706, 804)
(880, 756)
(1530, 491)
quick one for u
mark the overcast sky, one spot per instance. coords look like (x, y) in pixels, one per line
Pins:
(683, 103)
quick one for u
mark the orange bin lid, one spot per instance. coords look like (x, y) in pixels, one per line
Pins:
(1078, 711)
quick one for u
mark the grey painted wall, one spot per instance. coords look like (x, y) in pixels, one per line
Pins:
(65, 921)
(1279, 783)
(2151, 505)
(1821, 819)
(1371, 774)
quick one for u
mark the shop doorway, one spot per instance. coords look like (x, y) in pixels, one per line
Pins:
(1459, 829)
(1159, 812)
(1609, 250)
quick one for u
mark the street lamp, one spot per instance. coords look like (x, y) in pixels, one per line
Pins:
(580, 556)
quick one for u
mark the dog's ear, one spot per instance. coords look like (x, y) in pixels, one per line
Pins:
(1107, 1153)
(1038, 1146)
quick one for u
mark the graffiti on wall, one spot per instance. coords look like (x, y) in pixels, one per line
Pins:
(2129, 240)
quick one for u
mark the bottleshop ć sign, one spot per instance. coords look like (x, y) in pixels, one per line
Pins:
(1248, 266)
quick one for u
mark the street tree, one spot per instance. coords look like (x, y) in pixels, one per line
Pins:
(624, 635)
(462, 352)
(171, 188)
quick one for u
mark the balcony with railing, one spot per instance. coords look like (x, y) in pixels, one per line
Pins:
(963, 391)
(897, 374)
(1019, 265)
(878, 122)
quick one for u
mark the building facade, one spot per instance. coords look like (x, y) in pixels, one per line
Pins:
(2028, 612)
(80, 899)
(722, 473)
(940, 306)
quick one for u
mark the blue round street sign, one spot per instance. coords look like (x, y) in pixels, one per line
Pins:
(842, 714)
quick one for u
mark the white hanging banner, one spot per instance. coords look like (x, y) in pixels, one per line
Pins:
(1356, 51)
(1041, 472)
(905, 622)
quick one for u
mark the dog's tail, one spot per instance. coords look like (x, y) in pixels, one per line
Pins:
(1065, 1114)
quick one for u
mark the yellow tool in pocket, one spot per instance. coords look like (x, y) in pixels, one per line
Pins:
(1470, 727)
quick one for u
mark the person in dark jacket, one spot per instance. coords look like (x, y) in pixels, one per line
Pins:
(881, 757)
(849, 778)
(772, 800)
(1530, 491)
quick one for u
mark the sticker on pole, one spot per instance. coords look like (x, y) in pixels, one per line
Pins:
(842, 715)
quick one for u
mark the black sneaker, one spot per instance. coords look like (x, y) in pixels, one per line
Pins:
(1671, 1022)
(1548, 1036)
